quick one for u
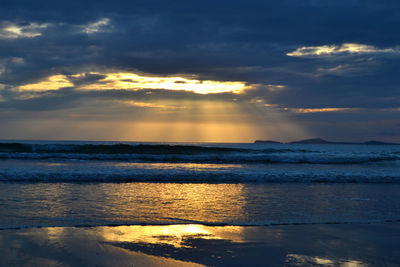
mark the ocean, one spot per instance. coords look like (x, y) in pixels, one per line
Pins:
(71, 183)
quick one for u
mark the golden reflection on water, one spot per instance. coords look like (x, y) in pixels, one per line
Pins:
(303, 260)
(170, 203)
(53, 164)
(54, 234)
(183, 166)
(173, 235)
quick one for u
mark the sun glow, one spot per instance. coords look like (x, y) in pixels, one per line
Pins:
(54, 82)
(140, 116)
(181, 131)
(132, 81)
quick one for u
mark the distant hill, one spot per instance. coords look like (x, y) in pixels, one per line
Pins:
(320, 141)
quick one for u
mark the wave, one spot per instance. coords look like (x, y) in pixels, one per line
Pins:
(113, 149)
(184, 176)
(173, 221)
(239, 158)
(186, 154)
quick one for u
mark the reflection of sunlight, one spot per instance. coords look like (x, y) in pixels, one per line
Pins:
(54, 234)
(303, 260)
(177, 203)
(173, 235)
(184, 166)
(52, 164)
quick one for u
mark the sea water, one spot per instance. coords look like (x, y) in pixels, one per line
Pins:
(108, 183)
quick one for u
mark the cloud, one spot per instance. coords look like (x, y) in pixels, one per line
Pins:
(10, 30)
(349, 69)
(300, 55)
(53, 82)
(133, 103)
(102, 25)
(318, 110)
(131, 81)
(346, 48)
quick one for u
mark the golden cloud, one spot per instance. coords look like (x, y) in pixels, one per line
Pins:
(133, 81)
(351, 48)
(53, 82)
(315, 110)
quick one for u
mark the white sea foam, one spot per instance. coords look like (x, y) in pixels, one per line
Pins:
(80, 162)
(245, 158)
(20, 170)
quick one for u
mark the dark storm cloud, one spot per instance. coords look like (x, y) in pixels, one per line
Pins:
(217, 40)
(69, 98)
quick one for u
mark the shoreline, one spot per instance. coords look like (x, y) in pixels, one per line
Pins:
(198, 245)
(183, 222)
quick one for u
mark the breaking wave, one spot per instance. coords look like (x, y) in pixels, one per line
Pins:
(186, 154)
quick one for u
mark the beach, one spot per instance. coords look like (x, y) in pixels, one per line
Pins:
(199, 245)
(75, 204)
(186, 224)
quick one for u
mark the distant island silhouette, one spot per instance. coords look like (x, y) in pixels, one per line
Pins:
(320, 141)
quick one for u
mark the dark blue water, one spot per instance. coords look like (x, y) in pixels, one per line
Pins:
(133, 162)
(105, 183)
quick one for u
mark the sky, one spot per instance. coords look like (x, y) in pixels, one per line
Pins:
(200, 71)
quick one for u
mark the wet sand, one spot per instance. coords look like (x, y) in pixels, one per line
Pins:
(197, 245)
